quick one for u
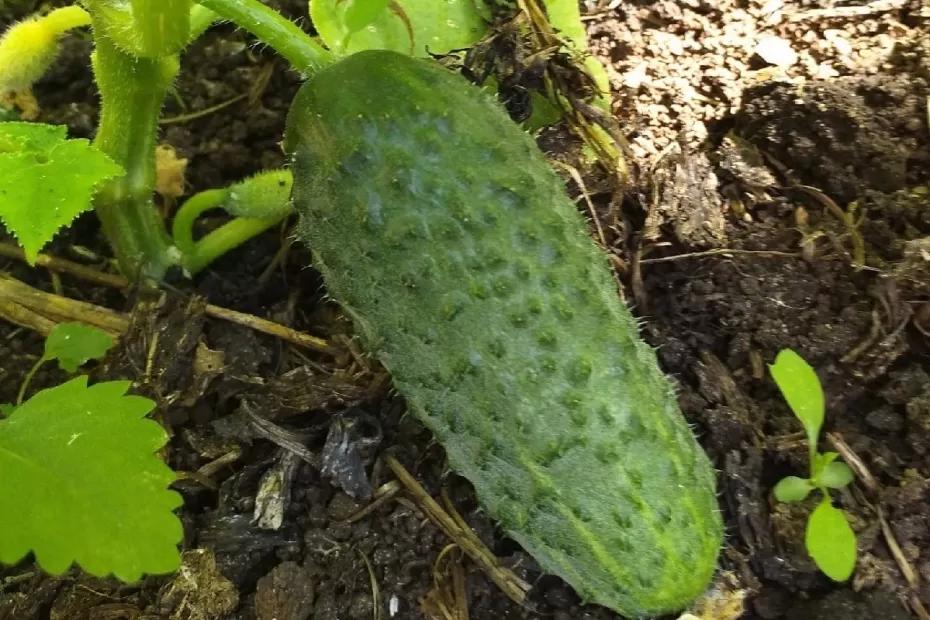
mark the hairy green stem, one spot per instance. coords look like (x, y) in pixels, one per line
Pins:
(143, 28)
(230, 235)
(200, 253)
(132, 92)
(182, 228)
(201, 19)
(162, 27)
(272, 29)
(28, 379)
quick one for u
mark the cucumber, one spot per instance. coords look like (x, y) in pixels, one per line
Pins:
(441, 230)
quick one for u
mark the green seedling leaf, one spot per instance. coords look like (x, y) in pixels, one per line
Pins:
(81, 483)
(6, 409)
(416, 27)
(801, 388)
(820, 462)
(793, 489)
(831, 542)
(360, 13)
(835, 475)
(75, 344)
(46, 180)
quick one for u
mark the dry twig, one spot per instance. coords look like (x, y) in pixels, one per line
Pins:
(218, 312)
(514, 587)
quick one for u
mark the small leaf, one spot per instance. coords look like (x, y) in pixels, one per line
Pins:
(81, 483)
(360, 13)
(46, 181)
(801, 388)
(436, 26)
(820, 461)
(835, 475)
(75, 344)
(793, 489)
(831, 541)
(6, 409)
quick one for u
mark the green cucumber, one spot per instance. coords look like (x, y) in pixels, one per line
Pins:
(441, 230)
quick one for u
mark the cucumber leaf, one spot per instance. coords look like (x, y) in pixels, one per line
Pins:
(75, 344)
(46, 180)
(81, 483)
(415, 27)
(360, 13)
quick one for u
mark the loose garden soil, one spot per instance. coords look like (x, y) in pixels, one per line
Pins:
(780, 198)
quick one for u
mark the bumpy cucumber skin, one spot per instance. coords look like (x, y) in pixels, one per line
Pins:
(440, 228)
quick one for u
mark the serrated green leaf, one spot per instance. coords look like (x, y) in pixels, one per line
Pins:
(81, 483)
(18, 136)
(835, 475)
(793, 489)
(417, 27)
(46, 181)
(801, 388)
(831, 542)
(75, 344)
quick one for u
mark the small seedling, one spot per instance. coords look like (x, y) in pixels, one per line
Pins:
(81, 461)
(73, 345)
(829, 539)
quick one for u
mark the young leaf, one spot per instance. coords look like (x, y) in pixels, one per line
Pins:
(6, 409)
(835, 475)
(801, 388)
(46, 180)
(75, 344)
(360, 13)
(436, 26)
(80, 482)
(793, 489)
(831, 542)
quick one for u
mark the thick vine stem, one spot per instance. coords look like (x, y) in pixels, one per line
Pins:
(132, 91)
(274, 30)
(143, 28)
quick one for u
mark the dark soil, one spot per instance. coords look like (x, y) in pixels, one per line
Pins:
(783, 274)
